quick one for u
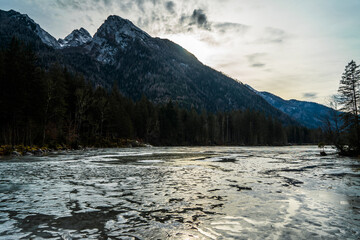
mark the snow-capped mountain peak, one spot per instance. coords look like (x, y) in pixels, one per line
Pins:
(114, 36)
(76, 38)
(118, 29)
(32, 25)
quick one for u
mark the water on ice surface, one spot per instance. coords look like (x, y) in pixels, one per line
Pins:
(181, 193)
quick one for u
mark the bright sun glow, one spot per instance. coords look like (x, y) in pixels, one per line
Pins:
(200, 49)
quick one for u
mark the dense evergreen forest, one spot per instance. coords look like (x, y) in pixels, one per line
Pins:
(55, 106)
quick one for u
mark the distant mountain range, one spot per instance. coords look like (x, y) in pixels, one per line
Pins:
(121, 53)
(309, 114)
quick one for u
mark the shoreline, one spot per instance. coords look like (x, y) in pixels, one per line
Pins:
(34, 150)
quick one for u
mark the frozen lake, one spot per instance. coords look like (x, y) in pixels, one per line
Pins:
(181, 193)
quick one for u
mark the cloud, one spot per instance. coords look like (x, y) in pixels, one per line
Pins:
(273, 35)
(254, 60)
(170, 7)
(198, 18)
(89, 19)
(140, 5)
(258, 65)
(79, 5)
(254, 57)
(158, 17)
(310, 95)
(224, 27)
(69, 4)
(105, 5)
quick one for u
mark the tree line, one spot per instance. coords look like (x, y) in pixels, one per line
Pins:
(56, 106)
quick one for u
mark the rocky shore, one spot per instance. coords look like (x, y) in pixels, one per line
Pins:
(21, 150)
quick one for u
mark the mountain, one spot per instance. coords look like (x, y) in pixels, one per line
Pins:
(23, 27)
(121, 53)
(309, 114)
(76, 38)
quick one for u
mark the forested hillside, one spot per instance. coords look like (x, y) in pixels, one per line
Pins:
(55, 106)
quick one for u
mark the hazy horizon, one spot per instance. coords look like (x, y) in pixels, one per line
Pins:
(294, 50)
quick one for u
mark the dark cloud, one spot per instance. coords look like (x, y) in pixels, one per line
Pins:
(199, 17)
(170, 6)
(310, 95)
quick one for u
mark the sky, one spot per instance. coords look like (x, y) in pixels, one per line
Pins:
(293, 49)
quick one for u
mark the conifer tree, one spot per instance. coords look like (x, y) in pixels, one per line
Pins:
(349, 100)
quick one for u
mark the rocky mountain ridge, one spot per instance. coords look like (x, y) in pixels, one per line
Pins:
(45, 37)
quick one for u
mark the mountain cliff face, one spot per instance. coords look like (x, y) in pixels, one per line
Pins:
(120, 53)
(309, 114)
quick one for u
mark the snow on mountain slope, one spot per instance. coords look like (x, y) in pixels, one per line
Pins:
(309, 114)
(115, 35)
(76, 38)
(119, 29)
(43, 35)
